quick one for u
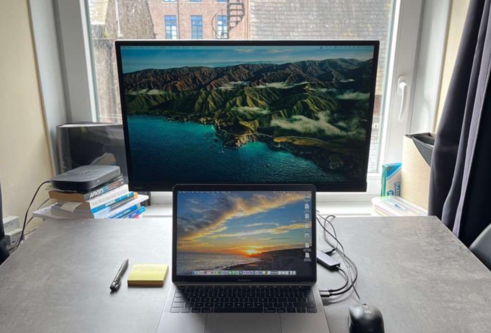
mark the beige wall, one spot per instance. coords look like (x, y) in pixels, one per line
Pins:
(456, 25)
(24, 155)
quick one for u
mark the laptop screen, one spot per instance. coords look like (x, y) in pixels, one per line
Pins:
(245, 235)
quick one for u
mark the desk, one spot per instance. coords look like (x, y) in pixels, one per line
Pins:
(420, 276)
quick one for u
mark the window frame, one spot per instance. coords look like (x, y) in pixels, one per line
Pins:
(410, 55)
(168, 25)
(199, 27)
(222, 27)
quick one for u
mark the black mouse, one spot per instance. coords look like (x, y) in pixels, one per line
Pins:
(364, 318)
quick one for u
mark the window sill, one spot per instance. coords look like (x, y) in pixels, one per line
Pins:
(339, 204)
(338, 208)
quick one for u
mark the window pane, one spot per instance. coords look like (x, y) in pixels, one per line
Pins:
(196, 27)
(170, 27)
(235, 19)
(222, 27)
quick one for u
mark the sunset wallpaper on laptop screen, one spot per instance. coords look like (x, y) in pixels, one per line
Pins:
(243, 231)
(248, 114)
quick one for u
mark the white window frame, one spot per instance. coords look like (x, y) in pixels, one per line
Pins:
(416, 53)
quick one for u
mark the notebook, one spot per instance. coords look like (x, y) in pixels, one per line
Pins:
(147, 275)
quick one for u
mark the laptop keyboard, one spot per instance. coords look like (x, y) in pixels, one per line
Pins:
(243, 299)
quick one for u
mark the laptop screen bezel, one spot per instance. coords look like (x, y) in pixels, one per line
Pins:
(251, 278)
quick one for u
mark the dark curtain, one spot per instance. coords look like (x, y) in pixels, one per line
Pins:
(461, 164)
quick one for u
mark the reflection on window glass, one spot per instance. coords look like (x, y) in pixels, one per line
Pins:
(234, 20)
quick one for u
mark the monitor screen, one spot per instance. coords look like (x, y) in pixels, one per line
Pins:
(247, 112)
(244, 234)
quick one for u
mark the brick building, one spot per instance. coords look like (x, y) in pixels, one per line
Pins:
(200, 19)
(111, 20)
(329, 19)
(234, 19)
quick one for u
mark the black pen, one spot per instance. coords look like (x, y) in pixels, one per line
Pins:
(117, 280)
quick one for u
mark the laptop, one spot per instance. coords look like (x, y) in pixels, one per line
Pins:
(244, 260)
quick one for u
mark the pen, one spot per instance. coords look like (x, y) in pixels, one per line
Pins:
(117, 280)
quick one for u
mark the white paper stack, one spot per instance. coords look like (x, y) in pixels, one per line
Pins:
(396, 206)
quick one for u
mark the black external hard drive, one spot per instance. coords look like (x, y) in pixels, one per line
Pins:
(85, 178)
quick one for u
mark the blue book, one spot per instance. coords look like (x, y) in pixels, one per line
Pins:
(106, 207)
(124, 212)
(134, 214)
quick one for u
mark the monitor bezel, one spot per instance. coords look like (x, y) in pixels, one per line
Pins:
(360, 186)
(252, 278)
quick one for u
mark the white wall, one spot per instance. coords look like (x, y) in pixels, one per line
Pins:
(24, 156)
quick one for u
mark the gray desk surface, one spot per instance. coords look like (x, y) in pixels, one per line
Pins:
(420, 276)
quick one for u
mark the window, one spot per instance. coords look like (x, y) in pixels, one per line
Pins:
(396, 24)
(196, 1)
(169, 0)
(222, 27)
(170, 27)
(196, 27)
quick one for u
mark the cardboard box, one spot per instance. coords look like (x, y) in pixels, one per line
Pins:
(416, 165)
(391, 180)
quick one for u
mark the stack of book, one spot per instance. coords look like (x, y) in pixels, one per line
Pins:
(111, 200)
(396, 206)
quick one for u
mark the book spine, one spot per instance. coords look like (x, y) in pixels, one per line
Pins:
(104, 189)
(108, 196)
(103, 213)
(112, 202)
(124, 212)
(134, 214)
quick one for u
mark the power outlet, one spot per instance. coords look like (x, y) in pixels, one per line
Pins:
(13, 237)
(10, 223)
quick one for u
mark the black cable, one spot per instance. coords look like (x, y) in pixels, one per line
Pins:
(352, 266)
(346, 257)
(330, 292)
(347, 261)
(27, 212)
(349, 266)
(333, 248)
(39, 207)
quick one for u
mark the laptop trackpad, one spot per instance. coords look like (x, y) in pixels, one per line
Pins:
(243, 323)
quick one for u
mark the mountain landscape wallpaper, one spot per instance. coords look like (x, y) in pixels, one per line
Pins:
(246, 114)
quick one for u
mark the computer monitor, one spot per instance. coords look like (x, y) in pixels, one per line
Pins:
(249, 112)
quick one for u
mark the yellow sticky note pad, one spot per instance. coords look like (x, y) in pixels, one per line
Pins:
(147, 275)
